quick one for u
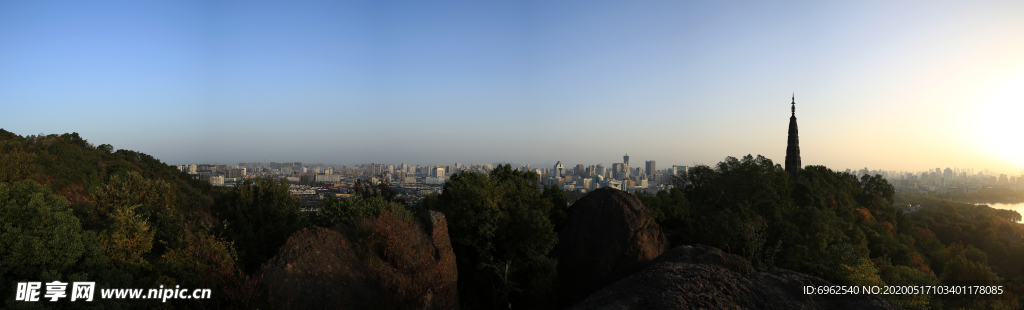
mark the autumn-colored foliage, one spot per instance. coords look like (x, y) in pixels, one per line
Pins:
(863, 215)
(209, 262)
(919, 264)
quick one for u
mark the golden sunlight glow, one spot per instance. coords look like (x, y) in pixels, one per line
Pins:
(999, 126)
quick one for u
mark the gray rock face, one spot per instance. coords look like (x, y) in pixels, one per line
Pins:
(703, 277)
(608, 235)
(369, 264)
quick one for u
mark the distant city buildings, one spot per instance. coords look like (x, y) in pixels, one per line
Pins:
(945, 181)
(419, 180)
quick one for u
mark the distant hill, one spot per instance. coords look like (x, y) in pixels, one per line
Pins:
(74, 168)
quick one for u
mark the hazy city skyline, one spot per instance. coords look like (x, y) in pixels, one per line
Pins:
(891, 86)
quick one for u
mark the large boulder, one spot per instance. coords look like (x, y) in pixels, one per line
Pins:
(608, 235)
(383, 263)
(703, 277)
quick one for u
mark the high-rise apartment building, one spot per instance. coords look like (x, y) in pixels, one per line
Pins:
(236, 173)
(376, 169)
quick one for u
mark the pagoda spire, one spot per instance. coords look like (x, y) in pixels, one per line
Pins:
(793, 144)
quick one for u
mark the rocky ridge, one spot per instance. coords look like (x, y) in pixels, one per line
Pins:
(383, 263)
(703, 277)
(608, 235)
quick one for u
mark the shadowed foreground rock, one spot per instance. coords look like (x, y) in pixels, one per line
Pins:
(703, 277)
(608, 235)
(380, 263)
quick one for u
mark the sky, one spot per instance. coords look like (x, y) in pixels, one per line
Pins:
(891, 85)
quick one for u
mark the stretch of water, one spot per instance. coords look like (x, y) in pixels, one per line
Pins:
(1019, 207)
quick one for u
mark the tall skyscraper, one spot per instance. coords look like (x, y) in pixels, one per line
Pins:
(793, 145)
(559, 170)
(650, 168)
(625, 166)
(580, 170)
(618, 169)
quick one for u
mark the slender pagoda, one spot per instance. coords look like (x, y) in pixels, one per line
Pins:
(793, 147)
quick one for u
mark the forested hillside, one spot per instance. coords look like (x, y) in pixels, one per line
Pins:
(848, 230)
(72, 211)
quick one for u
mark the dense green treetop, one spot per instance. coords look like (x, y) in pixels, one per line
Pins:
(260, 214)
(501, 233)
(38, 231)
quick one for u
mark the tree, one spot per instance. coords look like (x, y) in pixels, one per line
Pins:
(260, 214)
(131, 213)
(876, 186)
(41, 240)
(742, 206)
(38, 232)
(382, 189)
(127, 239)
(558, 199)
(333, 211)
(670, 208)
(501, 235)
(15, 162)
(208, 261)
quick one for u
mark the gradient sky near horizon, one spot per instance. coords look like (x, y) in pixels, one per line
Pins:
(893, 85)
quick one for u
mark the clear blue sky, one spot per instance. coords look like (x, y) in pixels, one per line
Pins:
(889, 85)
